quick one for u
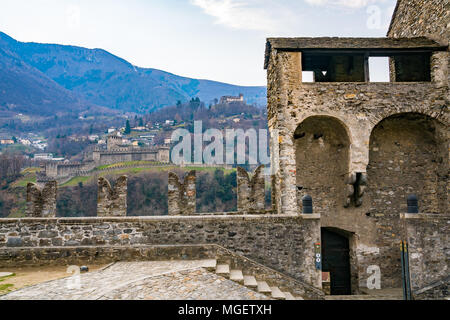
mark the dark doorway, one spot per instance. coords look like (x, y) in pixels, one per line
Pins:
(336, 261)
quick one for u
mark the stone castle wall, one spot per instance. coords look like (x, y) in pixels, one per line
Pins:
(359, 149)
(182, 196)
(250, 192)
(413, 18)
(112, 201)
(428, 236)
(41, 201)
(105, 157)
(111, 156)
(283, 243)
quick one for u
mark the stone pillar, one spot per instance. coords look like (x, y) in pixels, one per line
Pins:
(392, 72)
(112, 202)
(288, 177)
(290, 78)
(274, 193)
(182, 196)
(41, 202)
(250, 192)
(174, 195)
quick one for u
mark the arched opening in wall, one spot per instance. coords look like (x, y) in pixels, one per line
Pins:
(336, 261)
(408, 155)
(322, 158)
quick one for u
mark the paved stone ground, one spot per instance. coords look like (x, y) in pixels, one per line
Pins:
(152, 280)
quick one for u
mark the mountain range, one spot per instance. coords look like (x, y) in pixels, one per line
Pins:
(48, 79)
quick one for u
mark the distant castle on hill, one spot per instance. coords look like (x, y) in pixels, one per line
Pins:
(231, 99)
(114, 152)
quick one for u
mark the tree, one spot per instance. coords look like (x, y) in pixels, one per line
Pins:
(127, 127)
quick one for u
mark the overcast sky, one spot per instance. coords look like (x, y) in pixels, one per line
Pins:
(219, 40)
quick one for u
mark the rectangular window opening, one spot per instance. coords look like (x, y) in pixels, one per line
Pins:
(379, 69)
(308, 76)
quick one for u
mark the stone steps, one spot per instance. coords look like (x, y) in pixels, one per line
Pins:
(248, 281)
(263, 287)
(237, 276)
(209, 265)
(289, 296)
(223, 270)
(277, 293)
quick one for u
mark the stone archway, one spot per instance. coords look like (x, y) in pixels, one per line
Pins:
(408, 155)
(322, 161)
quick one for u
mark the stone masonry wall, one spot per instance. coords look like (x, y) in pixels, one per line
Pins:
(373, 156)
(415, 18)
(428, 237)
(182, 196)
(41, 202)
(112, 202)
(284, 243)
(250, 192)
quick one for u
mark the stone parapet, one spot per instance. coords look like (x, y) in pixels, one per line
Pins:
(283, 243)
(250, 192)
(182, 196)
(111, 201)
(41, 201)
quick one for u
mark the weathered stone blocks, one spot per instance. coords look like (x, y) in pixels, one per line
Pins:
(182, 196)
(41, 202)
(284, 243)
(112, 202)
(250, 192)
(427, 236)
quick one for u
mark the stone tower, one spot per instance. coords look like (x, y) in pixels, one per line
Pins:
(359, 148)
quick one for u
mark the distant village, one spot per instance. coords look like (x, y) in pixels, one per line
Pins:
(142, 135)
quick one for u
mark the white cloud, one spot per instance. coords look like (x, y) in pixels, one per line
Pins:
(261, 15)
(279, 17)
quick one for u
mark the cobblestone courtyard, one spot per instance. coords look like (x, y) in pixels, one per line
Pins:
(152, 280)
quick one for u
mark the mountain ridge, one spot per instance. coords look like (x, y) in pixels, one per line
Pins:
(104, 79)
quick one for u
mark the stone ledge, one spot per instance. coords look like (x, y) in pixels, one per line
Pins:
(424, 216)
(315, 216)
(368, 84)
(88, 220)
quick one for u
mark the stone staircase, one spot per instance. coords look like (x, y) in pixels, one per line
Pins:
(249, 281)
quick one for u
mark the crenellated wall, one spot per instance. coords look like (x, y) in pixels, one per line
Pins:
(41, 201)
(112, 201)
(284, 243)
(182, 196)
(250, 191)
